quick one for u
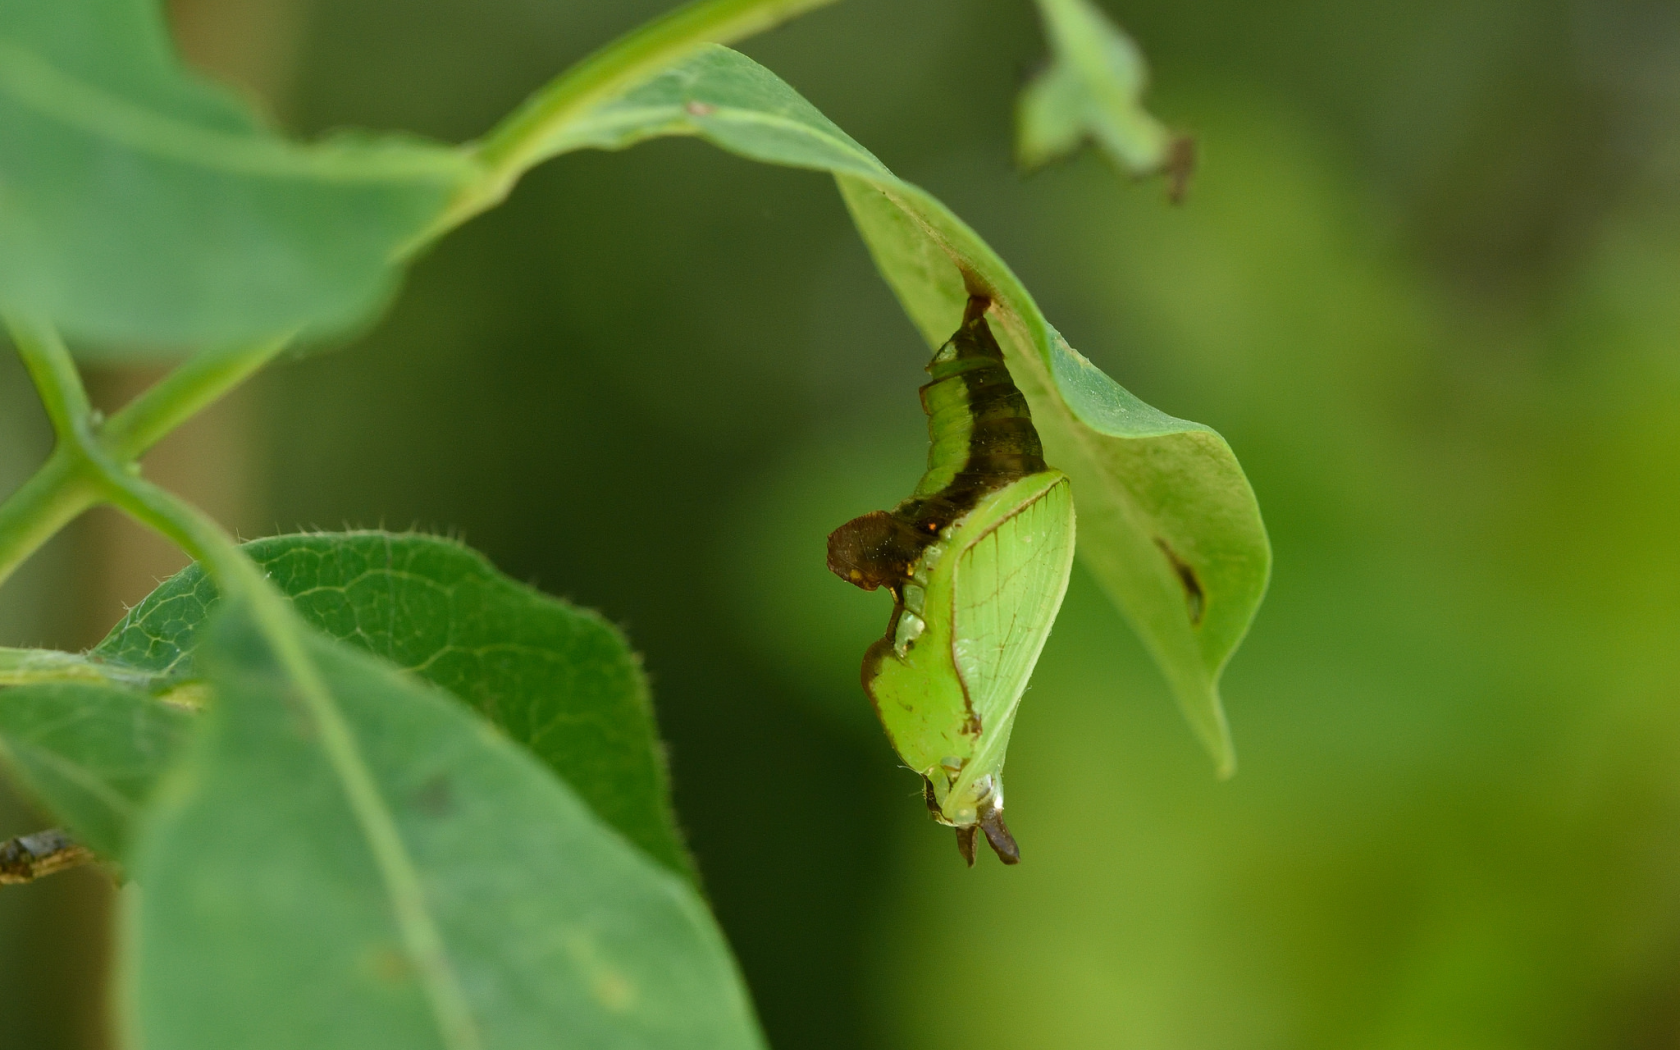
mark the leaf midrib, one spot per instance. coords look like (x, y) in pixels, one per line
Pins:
(694, 124)
(401, 878)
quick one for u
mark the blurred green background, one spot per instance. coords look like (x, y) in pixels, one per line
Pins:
(1425, 283)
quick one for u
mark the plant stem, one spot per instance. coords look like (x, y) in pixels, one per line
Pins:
(182, 394)
(63, 487)
(184, 525)
(521, 139)
(47, 502)
(55, 376)
(84, 469)
(69, 482)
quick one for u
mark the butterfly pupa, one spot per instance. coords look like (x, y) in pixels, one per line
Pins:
(977, 561)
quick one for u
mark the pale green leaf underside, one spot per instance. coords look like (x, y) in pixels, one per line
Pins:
(413, 878)
(555, 678)
(1093, 89)
(1168, 522)
(146, 210)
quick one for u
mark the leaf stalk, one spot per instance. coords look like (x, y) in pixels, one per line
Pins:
(57, 494)
(521, 140)
(183, 393)
(54, 373)
(89, 451)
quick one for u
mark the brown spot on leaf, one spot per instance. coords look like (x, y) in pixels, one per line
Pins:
(435, 799)
(1193, 595)
(389, 965)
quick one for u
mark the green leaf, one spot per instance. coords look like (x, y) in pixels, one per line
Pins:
(90, 754)
(147, 210)
(732, 102)
(555, 678)
(1093, 89)
(1167, 520)
(51, 667)
(348, 858)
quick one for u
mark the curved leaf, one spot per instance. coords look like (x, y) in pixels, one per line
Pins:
(349, 859)
(557, 679)
(1093, 89)
(1168, 522)
(146, 209)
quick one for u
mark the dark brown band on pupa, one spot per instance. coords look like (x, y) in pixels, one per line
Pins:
(880, 549)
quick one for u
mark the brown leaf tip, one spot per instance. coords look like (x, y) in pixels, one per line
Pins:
(1178, 165)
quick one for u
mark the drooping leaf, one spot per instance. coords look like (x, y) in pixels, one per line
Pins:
(348, 858)
(732, 102)
(1167, 520)
(90, 754)
(1093, 89)
(147, 210)
(557, 679)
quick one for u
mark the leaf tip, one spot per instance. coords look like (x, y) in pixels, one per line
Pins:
(1227, 763)
(1206, 714)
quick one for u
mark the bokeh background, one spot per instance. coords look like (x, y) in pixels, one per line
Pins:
(1425, 283)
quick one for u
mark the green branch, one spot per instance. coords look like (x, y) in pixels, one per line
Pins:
(68, 483)
(63, 487)
(182, 394)
(58, 493)
(55, 376)
(522, 138)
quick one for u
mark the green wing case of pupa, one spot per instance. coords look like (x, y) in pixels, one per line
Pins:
(977, 561)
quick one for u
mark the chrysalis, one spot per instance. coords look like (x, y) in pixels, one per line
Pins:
(977, 561)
